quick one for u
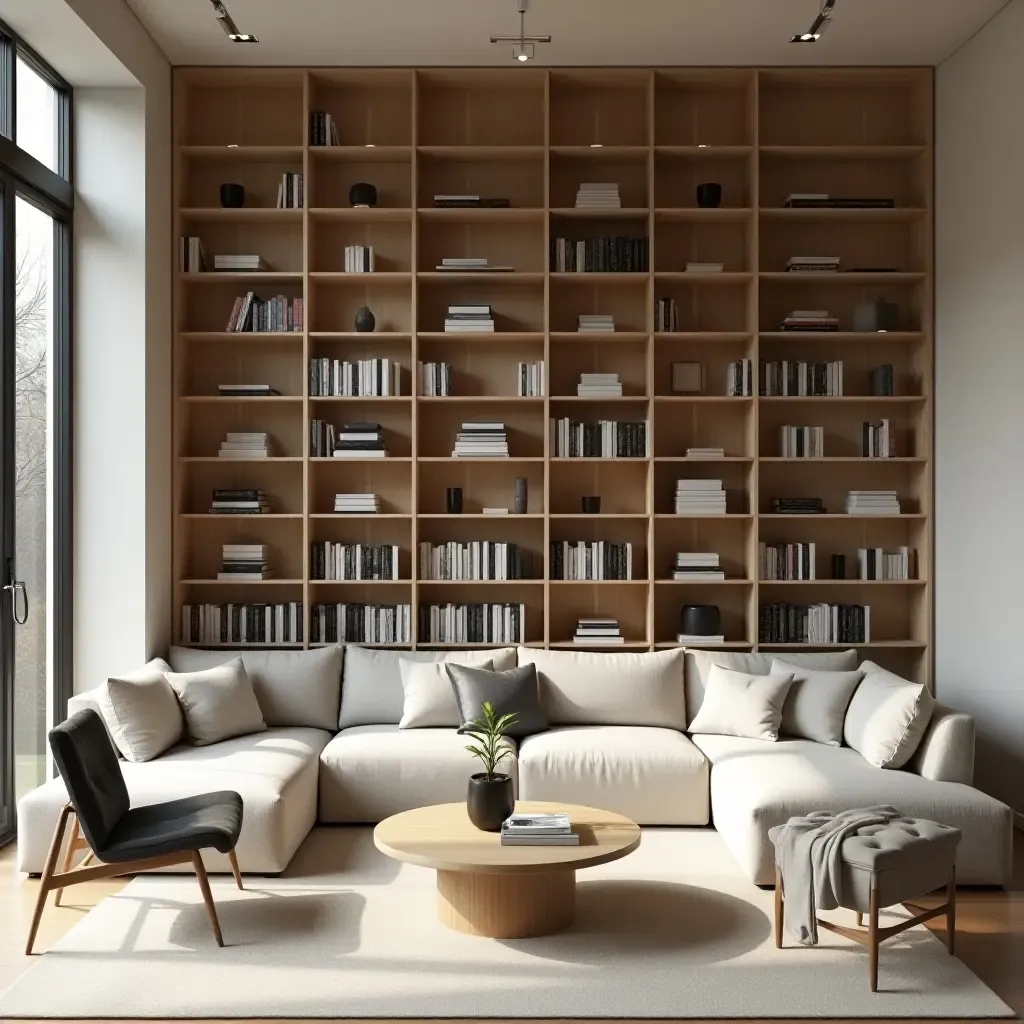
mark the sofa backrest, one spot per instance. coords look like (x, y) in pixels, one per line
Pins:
(294, 688)
(610, 687)
(371, 686)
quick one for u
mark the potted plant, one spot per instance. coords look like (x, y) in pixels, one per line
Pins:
(490, 799)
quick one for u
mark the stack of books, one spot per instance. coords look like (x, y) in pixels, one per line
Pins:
(595, 323)
(812, 265)
(697, 565)
(878, 564)
(357, 504)
(810, 320)
(436, 379)
(822, 200)
(801, 442)
(239, 503)
(360, 441)
(666, 316)
(879, 441)
(340, 561)
(245, 445)
(599, 385)
(696, 267)
(372, 377)
(289, 192)
(798, 506)
(360, 624)
(463, 200)
(481, 440)
(795, 377)
(252, 314)
(471, 263)
(359, 259)
(530, 380)
(700, 498)
(872, 503)
(591, 560)
(468, 318)
(705, 453)
(191, 257)
(700, 639)
(323, 130)
(249, 624)
(739, 378)
(538, 830)
(239, 262)
(598, 195)
(244, 562)
(598, 632)
(246, 390)
(786, 561)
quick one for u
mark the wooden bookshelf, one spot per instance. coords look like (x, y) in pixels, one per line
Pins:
(533, 135)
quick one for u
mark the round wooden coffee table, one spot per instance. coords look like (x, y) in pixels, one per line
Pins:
(504, 892)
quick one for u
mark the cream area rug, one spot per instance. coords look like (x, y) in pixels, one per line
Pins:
(673, 930)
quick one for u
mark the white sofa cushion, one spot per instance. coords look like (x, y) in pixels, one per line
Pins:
(741, 704)
(294, 688)
(755, 786)
(816, 704)
(610, 688)
(218, 703)
(141, 711)
(887, 717)
(429, 695)
(369, 772)
(654, 776)
(275, 772)
(699, 662)
(371, 687)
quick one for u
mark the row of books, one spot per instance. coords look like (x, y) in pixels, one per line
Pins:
(474, 560)
(878, 440)
(530, 380)
(350, 440)
(602, 254)
(239, 502)
(363, 377)
(787, 377)
(436, 379)
(191, 255)
(739, 378)
(243, 563)
(249, 624)
(700, 497)
(339, 561)
(360, 624)
(666, 315)
(480, 623)
(786, 561)
(591, 560)
(359, 259)
(696, 565)
(801, 442)
(479, 440)
(608, 439)
(879, 564)
(323, 129)
(290, 192)
(252, 314)
(596, 631)
(783, 623)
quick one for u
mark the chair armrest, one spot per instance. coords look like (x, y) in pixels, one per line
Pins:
(946, 752)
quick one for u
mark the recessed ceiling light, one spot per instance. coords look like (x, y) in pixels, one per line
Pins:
(597, 145)
(702, 145)
(371, 145)
(818, 26)
(232, 145)
(523, 46)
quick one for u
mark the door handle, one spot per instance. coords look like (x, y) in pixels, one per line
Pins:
(16, 587)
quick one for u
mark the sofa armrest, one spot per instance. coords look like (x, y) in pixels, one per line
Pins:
(946, 752)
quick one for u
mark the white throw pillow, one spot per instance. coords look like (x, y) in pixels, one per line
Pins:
(610, 688)
(741, 704)
(887, 717)
(816, 704)
(218, 703)
(141, 712)
(429, 695)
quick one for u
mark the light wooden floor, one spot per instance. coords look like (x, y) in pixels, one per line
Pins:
(990, 928)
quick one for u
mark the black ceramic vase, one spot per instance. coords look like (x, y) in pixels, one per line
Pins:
(365, 320)
(709, 195)
(362, 193)
(232, 195)
(700, 620)
(489, 801)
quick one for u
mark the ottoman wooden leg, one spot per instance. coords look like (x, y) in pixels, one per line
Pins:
(860, 919)
(873, 941)
(779, 908)
(951, 912)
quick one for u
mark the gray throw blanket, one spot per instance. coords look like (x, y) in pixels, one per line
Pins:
(807, 851)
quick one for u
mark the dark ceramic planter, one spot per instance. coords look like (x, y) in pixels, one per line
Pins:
(232, 195)
(365, 321)
(490, 801)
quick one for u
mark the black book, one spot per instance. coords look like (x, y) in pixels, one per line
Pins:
(361, 428)
(241, 495)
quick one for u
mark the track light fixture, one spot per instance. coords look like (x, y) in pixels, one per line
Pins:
(818, 26)
(523, 46)
(227, 23)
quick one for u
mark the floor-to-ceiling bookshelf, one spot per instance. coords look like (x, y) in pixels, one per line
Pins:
(533, 135)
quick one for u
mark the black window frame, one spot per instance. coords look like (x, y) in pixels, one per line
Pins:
(24, 176)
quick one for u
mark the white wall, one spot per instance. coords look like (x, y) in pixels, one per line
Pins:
(979, 406)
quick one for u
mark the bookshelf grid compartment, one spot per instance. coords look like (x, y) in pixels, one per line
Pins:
(534, 136)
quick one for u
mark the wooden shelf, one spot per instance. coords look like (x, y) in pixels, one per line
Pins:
(417, 133)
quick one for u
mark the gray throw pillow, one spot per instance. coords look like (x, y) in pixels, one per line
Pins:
(816, 704)
(514, 691)
(218, 703)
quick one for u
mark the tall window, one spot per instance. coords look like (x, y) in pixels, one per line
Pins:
(35, 460)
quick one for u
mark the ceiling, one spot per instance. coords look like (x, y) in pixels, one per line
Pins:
(586, 32)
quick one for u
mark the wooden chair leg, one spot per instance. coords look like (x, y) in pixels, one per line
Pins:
(860, 919)
(44, 882)
(234, 869)
(951, 913)
(873, 941)
(779, 907)
(204, 888)
(68, 857)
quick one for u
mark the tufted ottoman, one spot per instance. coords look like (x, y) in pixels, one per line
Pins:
(882, 865)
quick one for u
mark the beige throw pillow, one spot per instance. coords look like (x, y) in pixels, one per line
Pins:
(429, 698)
(141, 712)
(218, 703)
(741, 704)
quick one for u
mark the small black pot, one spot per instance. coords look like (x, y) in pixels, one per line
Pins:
(365, 321)
(362, 193)
(709, 195)
(232, 196)
(490, 801)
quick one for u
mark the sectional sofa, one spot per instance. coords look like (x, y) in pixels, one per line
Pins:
(334, 753)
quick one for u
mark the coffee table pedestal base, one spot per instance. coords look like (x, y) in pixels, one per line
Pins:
(513, 905)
